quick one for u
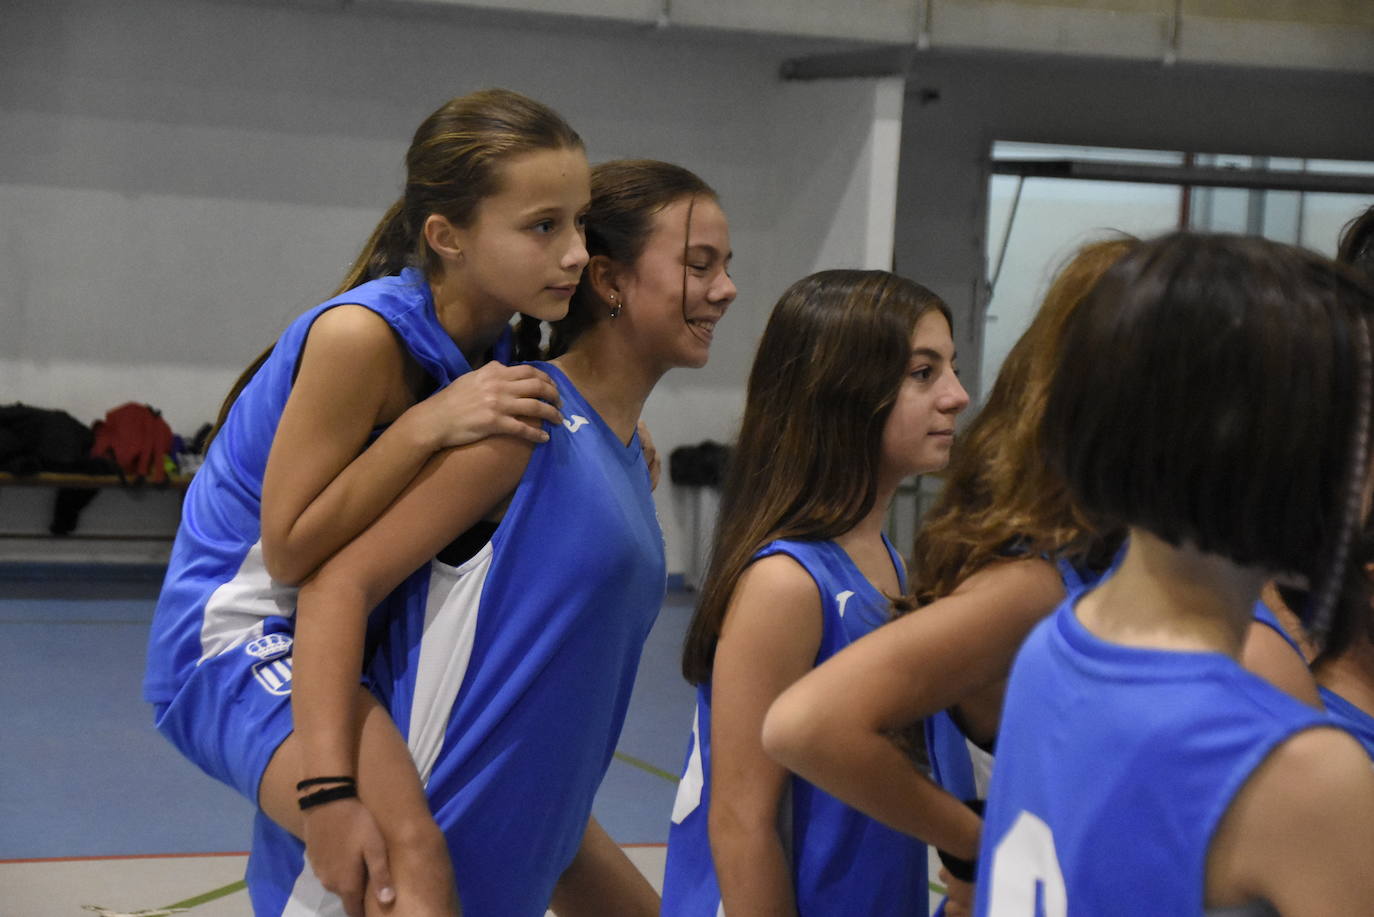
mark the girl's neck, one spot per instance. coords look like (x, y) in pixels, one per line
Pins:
(473, 326)
(1173, 598)
(615, 380)
(1351, 674)
(866, 548)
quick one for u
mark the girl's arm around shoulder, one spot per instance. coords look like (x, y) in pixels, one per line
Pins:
(454, 490)
(770, 637)
(831, 726)
(1300, 833)
(321, 488)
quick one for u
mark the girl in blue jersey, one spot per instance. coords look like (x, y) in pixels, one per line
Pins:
(984, 572)
(1141, 770)
(510, 669)
(332, 422)
(995, 555)
(853, 390)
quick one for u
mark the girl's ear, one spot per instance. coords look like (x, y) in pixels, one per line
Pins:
(605, 278)
(443, 238)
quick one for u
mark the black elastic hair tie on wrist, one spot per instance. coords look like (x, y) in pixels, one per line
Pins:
(317, 781)
(332, 794)
(960, 868)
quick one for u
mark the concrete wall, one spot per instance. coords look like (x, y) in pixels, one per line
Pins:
(179, 178)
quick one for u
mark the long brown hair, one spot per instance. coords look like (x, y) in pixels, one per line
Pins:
(998, 491)
(453, 164)
(805, 465)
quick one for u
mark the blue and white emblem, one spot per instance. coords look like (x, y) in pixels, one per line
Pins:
(274, 671)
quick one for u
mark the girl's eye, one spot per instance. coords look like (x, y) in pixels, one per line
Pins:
(923, 374)
(581, 221)
(543, 226)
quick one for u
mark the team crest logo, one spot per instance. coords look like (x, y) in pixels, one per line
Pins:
(274, 671)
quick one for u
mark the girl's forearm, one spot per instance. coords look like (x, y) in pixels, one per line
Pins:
(349, 503)
(863, 768)
(752, 870)
(330, 630)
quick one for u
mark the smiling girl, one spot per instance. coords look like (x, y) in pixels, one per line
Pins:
(509, 661)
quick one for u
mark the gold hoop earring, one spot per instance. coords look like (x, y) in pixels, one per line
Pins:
(616, 307)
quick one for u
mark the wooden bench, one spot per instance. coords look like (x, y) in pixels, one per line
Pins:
(87, 481)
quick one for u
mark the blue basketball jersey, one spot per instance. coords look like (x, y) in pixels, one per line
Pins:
(960, 767)
(216, 593)
(1265, 615)
(843, 862)
(219, 655)
(1115, 766)
(1349, 717)
(510, 674)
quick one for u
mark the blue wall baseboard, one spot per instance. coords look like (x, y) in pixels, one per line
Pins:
(142, 573)
(82, 572)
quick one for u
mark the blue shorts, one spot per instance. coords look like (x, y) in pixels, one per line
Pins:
(234, 711)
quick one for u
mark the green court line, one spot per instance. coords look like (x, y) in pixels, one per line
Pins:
(645, 766)
(210, 896)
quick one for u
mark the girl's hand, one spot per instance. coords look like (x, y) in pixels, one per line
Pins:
(347, 853)
(495, 400)
(960, 895)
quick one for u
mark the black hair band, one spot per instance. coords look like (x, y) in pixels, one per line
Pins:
(317, 781)
(332, 794)
(960, 868)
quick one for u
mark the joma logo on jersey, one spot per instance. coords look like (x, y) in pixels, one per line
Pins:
(843, 599)
(575, 422)
(274, 671)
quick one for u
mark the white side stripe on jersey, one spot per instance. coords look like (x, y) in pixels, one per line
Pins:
(235, 611)
(451, 607)
(310, 899)
(690, 786)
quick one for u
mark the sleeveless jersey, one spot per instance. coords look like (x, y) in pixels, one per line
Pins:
(217, 594)
(843, 862)
(1263, 614)
(1349, 717)
(1115, 766)
(960, 767)
(510, 675)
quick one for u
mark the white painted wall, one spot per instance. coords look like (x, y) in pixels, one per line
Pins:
(178, 178)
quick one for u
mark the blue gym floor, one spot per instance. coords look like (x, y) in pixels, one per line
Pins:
(83, 774)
